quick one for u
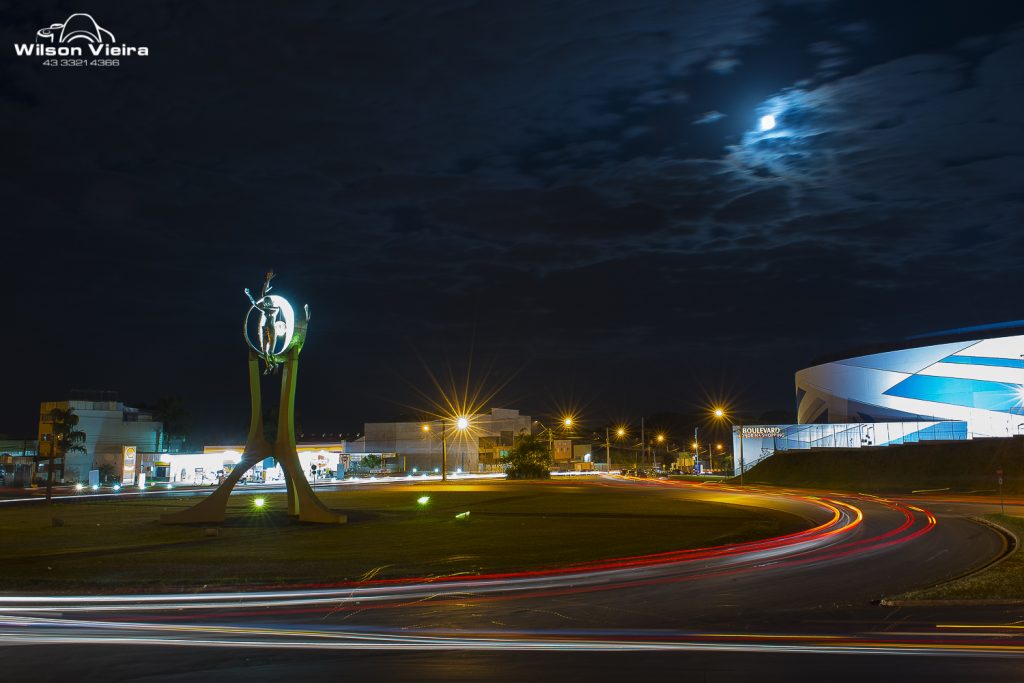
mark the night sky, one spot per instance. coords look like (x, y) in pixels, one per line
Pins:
(574, 196)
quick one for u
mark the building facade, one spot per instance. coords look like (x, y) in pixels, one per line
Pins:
(477, 448)
(753, 443)
(17, 461)
(108, 425)
(945, 386)
(972, 375)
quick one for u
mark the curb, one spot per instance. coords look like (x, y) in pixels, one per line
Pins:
(1013, 545)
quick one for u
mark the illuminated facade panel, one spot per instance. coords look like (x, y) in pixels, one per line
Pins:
(979, 381)
(762, 441)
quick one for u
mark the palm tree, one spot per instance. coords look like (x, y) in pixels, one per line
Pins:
(171, 413)
(65, 438)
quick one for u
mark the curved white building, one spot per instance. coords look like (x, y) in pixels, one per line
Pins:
(974, 374)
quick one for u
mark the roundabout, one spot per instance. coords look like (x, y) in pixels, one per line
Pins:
(810, 592)
(405, 531)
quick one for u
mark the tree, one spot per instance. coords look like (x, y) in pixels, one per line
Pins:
(171, 413)
(529, 458)
(371, 461)
(65, 438)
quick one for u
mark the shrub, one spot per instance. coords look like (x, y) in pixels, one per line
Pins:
(529, 458)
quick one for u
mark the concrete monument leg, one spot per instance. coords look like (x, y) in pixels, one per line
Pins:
(211, 509)
(301, 498)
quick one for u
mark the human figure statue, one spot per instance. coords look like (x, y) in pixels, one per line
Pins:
(269, 324)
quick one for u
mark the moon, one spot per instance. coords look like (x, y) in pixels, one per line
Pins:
(767, 122)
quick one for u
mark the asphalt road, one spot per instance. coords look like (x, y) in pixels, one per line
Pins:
(803, 607)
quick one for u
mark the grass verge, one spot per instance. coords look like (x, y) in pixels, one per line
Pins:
(957, 466)
(1002, 581)
(120, 546)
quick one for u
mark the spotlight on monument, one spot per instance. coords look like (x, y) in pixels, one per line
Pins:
(95, 487)
(423, 500)
(258, 502)
(117, 487)
(79, 486)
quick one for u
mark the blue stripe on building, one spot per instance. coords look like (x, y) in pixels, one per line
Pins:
(969, 393)
(983, 360)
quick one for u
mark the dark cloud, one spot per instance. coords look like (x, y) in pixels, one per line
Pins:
(709, 117)
(762, 206)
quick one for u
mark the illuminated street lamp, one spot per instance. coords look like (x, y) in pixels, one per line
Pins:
(658, 439)
(430, 443)
(620, 433)
(462, 424)
(720, 413)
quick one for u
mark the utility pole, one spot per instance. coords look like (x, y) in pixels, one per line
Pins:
(696, 451)
(444, 454)
(643, 444)
(608, 449)
(741, 455)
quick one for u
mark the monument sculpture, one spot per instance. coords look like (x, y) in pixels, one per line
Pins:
(275, 336)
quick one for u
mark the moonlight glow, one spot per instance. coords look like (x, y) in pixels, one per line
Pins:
(767, 122)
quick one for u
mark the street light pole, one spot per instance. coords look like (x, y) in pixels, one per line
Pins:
(430, 443)
(444, 453)
(696, 450)
(720, 413)
(608, 449)
(643, 444)
(741, 454)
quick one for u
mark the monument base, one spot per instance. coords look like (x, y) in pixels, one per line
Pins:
(302, 501)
